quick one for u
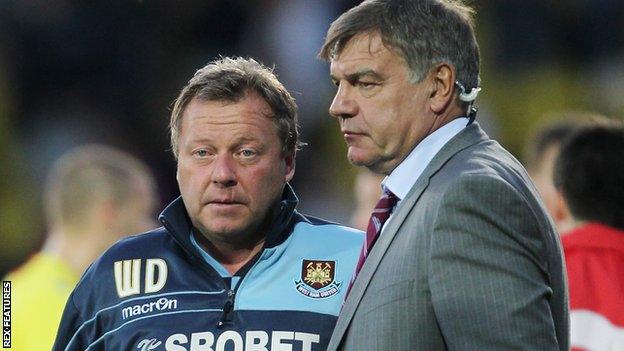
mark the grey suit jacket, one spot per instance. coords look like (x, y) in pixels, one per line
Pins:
(469, 261)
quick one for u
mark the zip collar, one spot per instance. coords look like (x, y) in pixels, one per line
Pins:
(178, 223)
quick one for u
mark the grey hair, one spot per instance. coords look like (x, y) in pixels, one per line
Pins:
(424, 33)
(230, 79)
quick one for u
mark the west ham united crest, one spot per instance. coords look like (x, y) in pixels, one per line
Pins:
(317, 279)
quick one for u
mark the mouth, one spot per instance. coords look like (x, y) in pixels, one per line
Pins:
(223, 202)
(351, 135)
(223, 207)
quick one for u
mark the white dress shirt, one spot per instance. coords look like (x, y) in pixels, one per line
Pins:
(405, 175)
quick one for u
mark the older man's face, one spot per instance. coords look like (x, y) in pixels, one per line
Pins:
(231, 168)
(382, 114)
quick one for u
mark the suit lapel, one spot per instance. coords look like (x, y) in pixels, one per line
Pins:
(471, 135)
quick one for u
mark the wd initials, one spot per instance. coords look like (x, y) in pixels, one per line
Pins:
(128, 276)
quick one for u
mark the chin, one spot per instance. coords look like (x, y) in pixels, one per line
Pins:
(361, 159)
(356, 158)
(219, 227)
(226, 230)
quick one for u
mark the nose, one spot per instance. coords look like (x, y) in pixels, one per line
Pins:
(343, 105)
(223, 171)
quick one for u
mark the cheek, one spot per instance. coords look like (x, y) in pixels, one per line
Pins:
(182, 177)
(190, 181)
(381, 130)
(264, 182)
(377, 116)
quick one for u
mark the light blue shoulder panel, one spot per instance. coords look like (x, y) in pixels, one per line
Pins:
(310, 271)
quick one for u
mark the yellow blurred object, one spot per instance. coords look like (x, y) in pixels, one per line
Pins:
(40, 289)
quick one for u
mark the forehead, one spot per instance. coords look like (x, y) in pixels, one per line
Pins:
(226, 117)
(365, 51)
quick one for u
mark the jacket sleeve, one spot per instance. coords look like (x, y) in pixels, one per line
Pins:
(68, 328)
(489, 274)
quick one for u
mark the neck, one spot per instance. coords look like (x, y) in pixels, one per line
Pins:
(235, 251)
(566, 226)
(232, 256)
(447, 116)
(77, 252)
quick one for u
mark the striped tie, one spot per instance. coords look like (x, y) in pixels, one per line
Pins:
(380, 215)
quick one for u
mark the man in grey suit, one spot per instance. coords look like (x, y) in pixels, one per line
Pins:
(469, 259)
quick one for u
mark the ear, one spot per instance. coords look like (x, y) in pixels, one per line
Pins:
(106, 212)
(565, 220)
(562, 213)
(443, 79)
(289, 166)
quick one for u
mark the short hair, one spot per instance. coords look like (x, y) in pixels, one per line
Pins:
(230, 79)
(88, 174)
(424, 33)
(554, 134)
(590, 173)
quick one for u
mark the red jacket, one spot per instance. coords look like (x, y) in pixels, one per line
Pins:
(594, 255)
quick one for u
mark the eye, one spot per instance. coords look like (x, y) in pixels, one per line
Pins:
(201, 153)
(247, 153)
(366, 85)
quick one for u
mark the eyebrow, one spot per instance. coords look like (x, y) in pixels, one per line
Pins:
(236, 139)
(245, 139)
(353, 77)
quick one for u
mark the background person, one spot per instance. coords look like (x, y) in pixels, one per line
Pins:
(459, 253)
(589, 172)
(234, 265)
(366, 190)
(94, 196)
(540, 153)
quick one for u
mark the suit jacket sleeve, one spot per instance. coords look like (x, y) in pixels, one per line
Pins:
(489, 276)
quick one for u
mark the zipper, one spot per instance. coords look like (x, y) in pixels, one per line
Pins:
(228, 308)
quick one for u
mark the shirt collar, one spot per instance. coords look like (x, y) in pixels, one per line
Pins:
(405, 175)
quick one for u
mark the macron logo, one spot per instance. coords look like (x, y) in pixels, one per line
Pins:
(162, 304)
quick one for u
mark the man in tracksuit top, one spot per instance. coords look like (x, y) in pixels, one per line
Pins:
(234, 266)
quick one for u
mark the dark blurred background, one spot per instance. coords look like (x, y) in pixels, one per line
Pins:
(73, 72)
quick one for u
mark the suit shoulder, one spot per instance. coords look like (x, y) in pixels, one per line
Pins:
(487, 158)
(487, 162)
(473, 198)
(481, 185)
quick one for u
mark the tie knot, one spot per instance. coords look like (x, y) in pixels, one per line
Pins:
(389, 194)
(387, 201)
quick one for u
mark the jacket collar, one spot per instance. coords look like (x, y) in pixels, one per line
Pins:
(178, 223)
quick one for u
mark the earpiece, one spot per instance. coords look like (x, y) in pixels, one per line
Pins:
(467, 97)
(470, 98)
